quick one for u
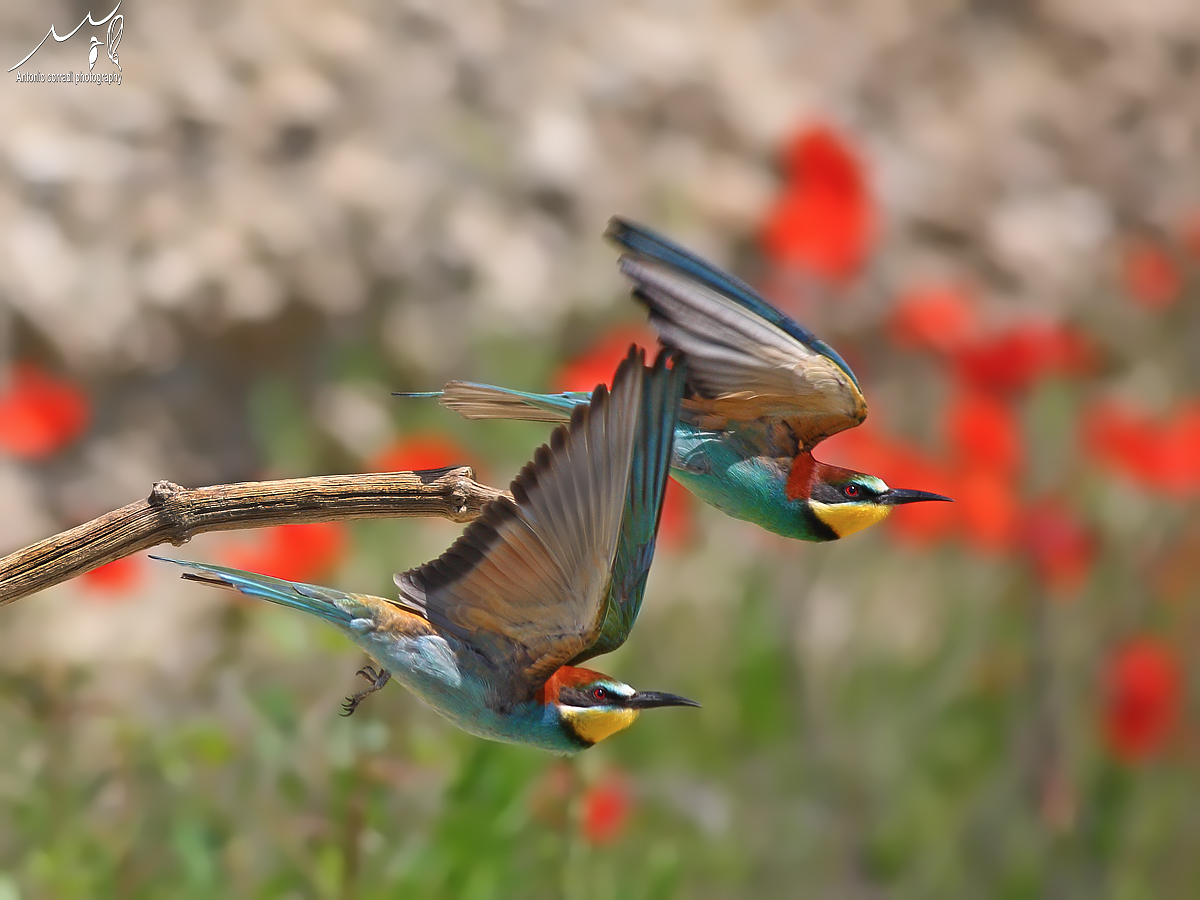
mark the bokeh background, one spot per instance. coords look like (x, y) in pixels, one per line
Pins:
(219, 269)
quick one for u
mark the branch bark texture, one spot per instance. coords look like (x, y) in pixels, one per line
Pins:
(173, 514)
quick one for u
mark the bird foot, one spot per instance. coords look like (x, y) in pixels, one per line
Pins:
(377, 679)
(369, 673)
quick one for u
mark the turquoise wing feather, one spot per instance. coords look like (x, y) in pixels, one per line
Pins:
(649, 469)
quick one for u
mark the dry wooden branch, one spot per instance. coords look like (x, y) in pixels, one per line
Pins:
(172, 513)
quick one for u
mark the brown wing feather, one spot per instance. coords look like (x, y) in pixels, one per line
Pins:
(525, 583)
(742, 367)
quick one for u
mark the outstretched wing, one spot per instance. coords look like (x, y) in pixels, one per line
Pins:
(526, 583)
(643, 504)
(747, 361)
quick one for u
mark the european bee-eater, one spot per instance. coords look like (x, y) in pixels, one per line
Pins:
(490, 634)
(762, 392)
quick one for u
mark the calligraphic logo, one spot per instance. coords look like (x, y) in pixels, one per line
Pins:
(112, 39)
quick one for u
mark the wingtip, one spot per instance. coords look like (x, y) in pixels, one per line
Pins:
(617, 228)
(184, 563)
(635, 358)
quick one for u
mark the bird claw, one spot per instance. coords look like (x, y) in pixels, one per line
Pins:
(377, 679)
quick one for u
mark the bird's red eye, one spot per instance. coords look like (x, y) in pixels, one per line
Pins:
(599, 693)
(850, 490)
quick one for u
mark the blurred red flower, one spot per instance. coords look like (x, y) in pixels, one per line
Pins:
(935, 317)
(1013, 360)
(1121, 438)
(1151, 276)
(676, 528)
(599, 362)
(1142, 693)
(823, 221)
(117, 578)
(426, 450)
(1059, 546)
(39, 413)
(1179, 443)
(983, 432)
(296, 552)
(987, 503)
(1157, 456)
(606, 806)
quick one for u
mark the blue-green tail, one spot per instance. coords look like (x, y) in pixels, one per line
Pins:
(486, 401)
(333, 606)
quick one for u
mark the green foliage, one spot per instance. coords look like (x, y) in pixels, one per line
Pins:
(878, 721)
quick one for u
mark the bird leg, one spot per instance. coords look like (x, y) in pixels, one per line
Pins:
(377, 679)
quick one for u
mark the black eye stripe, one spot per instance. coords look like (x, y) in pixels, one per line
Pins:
(593, 696)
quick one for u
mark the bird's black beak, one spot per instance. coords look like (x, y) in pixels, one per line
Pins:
(900, 496)
(651, 699)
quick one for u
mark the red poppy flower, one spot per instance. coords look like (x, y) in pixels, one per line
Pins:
(1013, 360)
(1179, 443)
(1121, 438)
(937, 317)
(676, 528)
(302, 552)
(984, 432)
(1157, 456)
(1059, 546)
(987, 504)
(1142, 694)
(599, 362)
(415, 452)
(117, 578)
(823, 221)
(39, 414)
(606, 808)
(1151, 276)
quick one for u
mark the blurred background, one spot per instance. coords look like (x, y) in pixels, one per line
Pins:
(218, 269)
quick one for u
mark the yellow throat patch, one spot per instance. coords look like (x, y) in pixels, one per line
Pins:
(847, 518)
(594, 723)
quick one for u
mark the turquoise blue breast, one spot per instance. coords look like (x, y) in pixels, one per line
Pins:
(750, 488)
(445, 680)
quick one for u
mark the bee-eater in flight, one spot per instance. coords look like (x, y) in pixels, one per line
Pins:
(491, 633)
(762, 392)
